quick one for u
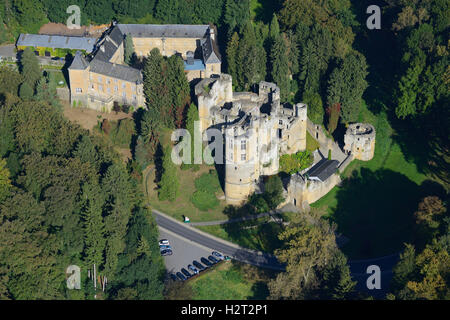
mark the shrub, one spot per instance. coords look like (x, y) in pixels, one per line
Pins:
(204, 200)
(292, 163)
(123, 132)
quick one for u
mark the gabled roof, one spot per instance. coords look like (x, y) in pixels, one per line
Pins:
(62, 42)
(114, 70)
(164, 30)
(79, 62)
(323, 169)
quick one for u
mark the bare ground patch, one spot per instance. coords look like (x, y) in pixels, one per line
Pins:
(88, 118)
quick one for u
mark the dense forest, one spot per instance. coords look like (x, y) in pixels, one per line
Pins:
(67, 198)
(318, 52)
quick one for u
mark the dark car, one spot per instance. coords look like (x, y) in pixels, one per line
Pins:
(186, 273)
(198, 265)
(206, 262)
(218, 255)
(173, 277)
(181, 276)
(166, 252)
(192, 268)
(213, 259)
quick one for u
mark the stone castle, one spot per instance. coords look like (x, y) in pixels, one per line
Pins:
(258, 129)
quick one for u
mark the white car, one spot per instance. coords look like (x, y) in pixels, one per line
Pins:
(163, 242)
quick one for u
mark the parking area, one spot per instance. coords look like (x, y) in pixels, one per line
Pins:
(184, 251)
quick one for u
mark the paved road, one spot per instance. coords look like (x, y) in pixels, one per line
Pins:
(252, 257)
(196, 243)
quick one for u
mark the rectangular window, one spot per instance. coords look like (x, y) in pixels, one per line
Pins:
(243, 156)
(134, 97)
(124, 94)
(123, 85)
(99, 79)
(243, 144)
(116, 88)
(108, 81)
(78, 90)
(100, 88)
(108, 90)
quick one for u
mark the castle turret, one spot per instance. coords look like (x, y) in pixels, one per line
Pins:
(241, 162)
(359, 140)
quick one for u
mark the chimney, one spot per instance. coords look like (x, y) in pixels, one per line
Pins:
(190, 57)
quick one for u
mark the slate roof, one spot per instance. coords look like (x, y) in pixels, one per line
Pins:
(79, 62)
(164, 30)
(114, 70)
(323, 169)
(209, 54)
(63, 42)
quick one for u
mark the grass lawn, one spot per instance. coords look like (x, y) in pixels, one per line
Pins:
(58, 76)
(375, 204)
(183, 205)
(311, 143)
(256, 234)
(227, 281)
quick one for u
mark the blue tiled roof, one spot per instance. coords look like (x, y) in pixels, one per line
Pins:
(198, 65)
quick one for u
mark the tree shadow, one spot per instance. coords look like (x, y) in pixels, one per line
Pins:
(265, 12)
(158, 163)
(376, 211)
(425, 141)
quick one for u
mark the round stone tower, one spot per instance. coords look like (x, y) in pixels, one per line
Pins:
(241, 176)
(359, 140)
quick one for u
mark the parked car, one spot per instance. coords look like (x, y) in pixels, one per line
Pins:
(198, 265)
(213, 259)
(206, 262)
(193, 269)
(165, 247)
(173, 277)
(186, 273)
(181, 276)
(218, 255)
(164, 242)
(166, 252)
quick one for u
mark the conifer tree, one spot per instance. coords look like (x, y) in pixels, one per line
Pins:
(233, 58)
(169, 184)
(280, 67)
(129, 50)
(29, 67)
(94, 226)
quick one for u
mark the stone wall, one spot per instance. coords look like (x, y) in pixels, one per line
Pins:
(300, 190)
